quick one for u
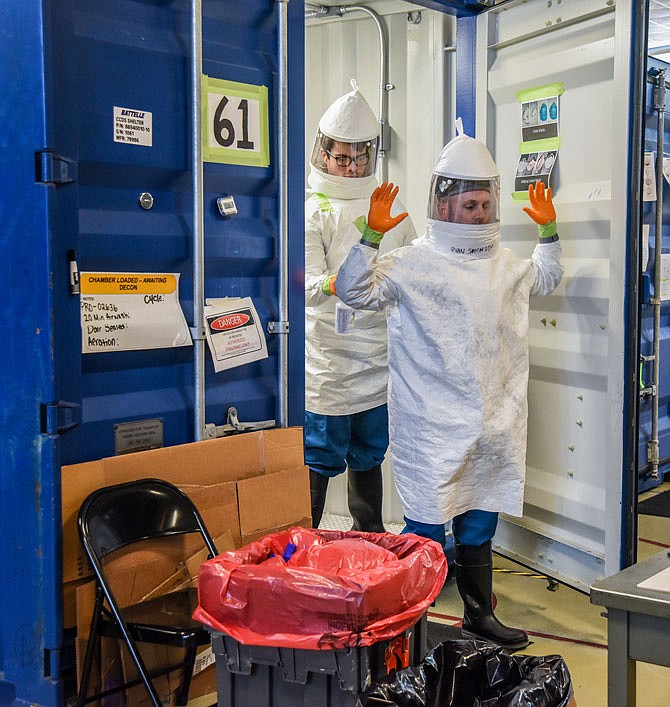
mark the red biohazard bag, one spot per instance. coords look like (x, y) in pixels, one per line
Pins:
(320, 589)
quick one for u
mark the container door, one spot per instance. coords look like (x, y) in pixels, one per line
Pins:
(123, 112)
(578, 66)
(654, 413)
(98, 204)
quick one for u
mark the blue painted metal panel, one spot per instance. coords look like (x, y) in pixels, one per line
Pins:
(136, 55)
(466, 97)
(460, 8)
(647, 315)
(65, 65)
(30, 623)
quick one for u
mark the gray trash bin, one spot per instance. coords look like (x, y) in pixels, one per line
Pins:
(265, 676)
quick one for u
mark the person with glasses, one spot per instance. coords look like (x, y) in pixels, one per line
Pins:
(346, 418)
(457, 303)
(345, 159)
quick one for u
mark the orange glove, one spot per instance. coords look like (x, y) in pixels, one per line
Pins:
(379, 216)
(328, 285)
(542, 210)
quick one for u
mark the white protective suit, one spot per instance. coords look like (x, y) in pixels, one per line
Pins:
(457, 307)
(344, 373)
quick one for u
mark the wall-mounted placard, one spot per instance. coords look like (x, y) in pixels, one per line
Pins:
(235, 124)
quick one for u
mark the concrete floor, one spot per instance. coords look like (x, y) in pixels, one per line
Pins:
(564, 622)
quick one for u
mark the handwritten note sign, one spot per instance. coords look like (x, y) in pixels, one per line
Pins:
(124, 311)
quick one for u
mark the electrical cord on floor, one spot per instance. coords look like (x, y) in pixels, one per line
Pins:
(552, 584)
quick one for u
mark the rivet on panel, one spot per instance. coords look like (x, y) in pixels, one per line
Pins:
(146, 200)
(571, 473)
(544, 321)
(552, 322)
(602, 326)
(571, 447)
(580, 396)
(580, 422)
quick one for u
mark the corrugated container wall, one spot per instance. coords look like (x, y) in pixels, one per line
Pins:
(419, 118)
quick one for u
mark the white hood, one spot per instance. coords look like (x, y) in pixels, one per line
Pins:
(466, 158)
(340, 187)
(465, 241)
(350, 118)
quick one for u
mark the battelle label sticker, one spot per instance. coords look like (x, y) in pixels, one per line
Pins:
(132, 126)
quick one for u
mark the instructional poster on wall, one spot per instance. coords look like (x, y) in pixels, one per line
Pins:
(126, 311)
(533, 167)
(538, 150)
(234, 332)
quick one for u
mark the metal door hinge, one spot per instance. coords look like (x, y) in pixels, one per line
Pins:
(60, 417)
(51, 168)
(278, 327)
(234, 426)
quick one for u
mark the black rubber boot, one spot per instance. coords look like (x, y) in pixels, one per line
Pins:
(474, 577)
(318, 485)
(365, 499)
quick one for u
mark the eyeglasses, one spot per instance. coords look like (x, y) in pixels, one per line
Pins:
(345, 160)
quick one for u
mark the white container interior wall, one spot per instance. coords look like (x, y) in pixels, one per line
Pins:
(573, 485)
(420, 116)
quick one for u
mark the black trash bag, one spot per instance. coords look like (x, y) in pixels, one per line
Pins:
(472, 673)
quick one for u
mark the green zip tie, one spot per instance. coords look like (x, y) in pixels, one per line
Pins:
(539, 92)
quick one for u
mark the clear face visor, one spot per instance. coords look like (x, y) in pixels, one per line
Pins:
(473, 201)
(344, 159)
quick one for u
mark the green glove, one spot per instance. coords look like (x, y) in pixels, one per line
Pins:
(328, 285)
(368, 235)
(547, 231)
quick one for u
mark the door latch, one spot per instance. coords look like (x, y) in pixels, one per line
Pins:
(59, 417)
(51, 168)
(234, 426)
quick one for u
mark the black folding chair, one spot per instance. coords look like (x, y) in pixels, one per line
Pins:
(112, 518)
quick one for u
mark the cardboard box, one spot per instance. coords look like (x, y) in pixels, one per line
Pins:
(203, 681)
(245, 487)
(251, 484)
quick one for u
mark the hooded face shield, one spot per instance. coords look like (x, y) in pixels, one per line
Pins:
(347, 138)
(468, 201)
(344, 159)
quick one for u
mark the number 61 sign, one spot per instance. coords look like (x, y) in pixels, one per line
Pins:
(235, 123)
